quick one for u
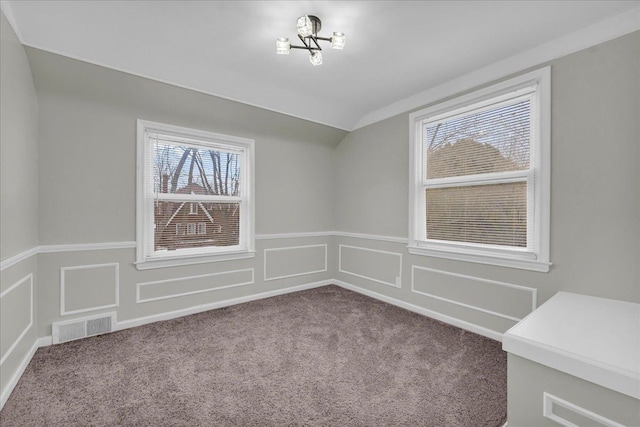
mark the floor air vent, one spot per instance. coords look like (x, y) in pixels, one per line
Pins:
(82, 328)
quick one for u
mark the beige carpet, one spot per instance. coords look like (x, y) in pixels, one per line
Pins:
(322, 357)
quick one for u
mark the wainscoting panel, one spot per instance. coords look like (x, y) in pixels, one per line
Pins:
(292, 261)
(505, 300)
(568, 414)
(86, 288)
(16, 314)
(371, 264)
(190, 285)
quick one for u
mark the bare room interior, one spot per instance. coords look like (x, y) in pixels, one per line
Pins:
(320, 213)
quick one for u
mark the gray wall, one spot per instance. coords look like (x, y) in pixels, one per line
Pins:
(87, 151)
(87, 128)
(19, 149)
(19, 206)
(595, 185)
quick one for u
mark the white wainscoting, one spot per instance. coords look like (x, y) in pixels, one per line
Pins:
(217, 277)
(374, 265)
(374, 259)
(63, 288)
(295, 261)
(550, 401)
(392, 239)
(527, 304)
(72, 247)
(11, 261)
(27, 279)
(76, 247)
(294, 235)
(6, 392)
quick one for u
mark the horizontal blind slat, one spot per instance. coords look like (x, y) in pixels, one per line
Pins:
(495, 140)
(183, 169)
(490, 214)
(193, 225)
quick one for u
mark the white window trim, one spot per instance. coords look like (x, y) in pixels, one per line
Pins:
(144, 207)
(536, 259)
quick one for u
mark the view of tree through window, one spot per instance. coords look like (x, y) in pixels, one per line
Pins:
(214, 175)
(478, 147)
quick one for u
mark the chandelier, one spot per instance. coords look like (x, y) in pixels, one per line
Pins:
(308, 28)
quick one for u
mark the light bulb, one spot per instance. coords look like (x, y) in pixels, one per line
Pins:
(315, 57)
(283, 46)
(337, 41)
(305, 27)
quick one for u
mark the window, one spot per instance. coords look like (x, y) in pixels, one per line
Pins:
(480, 168)
(202, 228)
(191, 228)
(180, 170)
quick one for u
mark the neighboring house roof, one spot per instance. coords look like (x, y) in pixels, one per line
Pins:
(194, 189)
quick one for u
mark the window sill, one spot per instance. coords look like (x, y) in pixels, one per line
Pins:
(523, 264)
(177, 262)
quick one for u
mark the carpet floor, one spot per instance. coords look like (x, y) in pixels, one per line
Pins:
(321, 357)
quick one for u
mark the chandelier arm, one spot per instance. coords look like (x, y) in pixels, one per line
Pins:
(304, 47)
(326, 39)
(315, 40)
(304, 41)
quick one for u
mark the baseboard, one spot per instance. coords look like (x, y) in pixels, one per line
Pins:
(489, 333)
(125, 324)
(40, 342)
(45, 341)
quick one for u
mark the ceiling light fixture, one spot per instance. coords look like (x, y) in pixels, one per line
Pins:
(308, 27)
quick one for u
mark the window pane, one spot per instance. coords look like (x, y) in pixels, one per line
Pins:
(214, 224)
(493, 214)
(495, 140)
(183, 169)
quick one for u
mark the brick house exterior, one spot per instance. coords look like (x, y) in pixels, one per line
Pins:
(195, 224)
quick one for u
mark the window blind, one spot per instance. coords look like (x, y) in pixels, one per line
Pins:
(489, 214)
(195, 191)
(494, 140)
(476, 174)
(180, 168)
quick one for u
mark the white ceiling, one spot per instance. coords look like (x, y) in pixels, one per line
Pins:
(397, 53)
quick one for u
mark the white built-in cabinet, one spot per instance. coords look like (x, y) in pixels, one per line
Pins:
(575, 361)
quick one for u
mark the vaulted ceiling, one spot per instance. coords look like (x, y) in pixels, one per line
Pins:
(396, 54)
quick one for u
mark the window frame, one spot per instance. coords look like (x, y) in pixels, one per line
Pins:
(146, 257)
(536, 256)
(191, 229)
